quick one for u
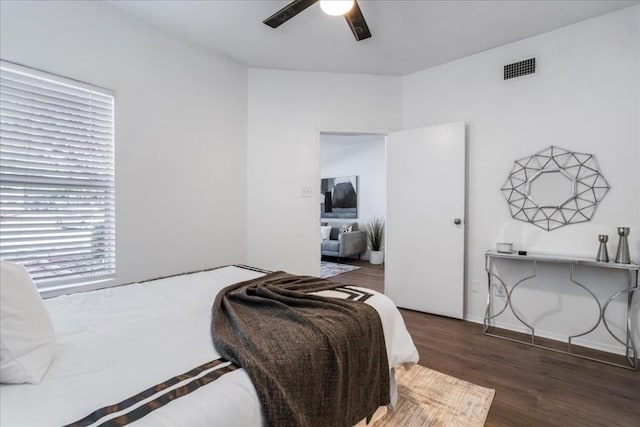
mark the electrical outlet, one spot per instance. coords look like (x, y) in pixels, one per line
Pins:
(499, 291)
(475, 285)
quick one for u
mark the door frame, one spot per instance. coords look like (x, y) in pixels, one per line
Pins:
(315, 189)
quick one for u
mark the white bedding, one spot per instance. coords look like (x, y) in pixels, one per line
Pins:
(114, 343)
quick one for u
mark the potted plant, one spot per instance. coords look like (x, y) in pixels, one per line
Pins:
(375, 235)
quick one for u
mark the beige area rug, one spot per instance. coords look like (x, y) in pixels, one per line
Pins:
(430, 398)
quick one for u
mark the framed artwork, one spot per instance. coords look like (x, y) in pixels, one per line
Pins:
(339, 197)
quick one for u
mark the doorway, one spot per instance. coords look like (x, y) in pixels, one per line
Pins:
(423, 199)
(352, 192)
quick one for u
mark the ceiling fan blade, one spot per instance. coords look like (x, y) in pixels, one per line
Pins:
(356, 22)
(288, 12)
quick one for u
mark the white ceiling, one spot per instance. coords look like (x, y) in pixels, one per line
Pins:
(408, 36)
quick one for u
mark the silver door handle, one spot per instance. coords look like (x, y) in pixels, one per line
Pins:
(457, 221)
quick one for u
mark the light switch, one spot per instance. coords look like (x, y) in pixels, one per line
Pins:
(305, 191)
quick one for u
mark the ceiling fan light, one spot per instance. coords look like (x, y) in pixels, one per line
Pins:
(336, 7)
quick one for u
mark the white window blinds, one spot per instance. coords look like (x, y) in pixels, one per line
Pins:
(57, 200)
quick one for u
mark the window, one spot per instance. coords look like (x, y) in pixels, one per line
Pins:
(57, 203)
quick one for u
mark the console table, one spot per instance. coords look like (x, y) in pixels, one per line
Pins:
(633, 270)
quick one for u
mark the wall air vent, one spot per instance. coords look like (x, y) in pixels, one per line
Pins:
(520, 68)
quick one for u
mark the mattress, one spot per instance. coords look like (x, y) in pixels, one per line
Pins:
(114, 343)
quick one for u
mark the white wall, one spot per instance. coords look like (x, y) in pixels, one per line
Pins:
(210, 158)
(585, 98)
(180, 141)
(286, 112)
(363, 156)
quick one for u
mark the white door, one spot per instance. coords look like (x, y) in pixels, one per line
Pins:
(424, 246)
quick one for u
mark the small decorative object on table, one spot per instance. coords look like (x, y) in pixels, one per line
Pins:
(622, 256)
(603, 254)
(504, 248)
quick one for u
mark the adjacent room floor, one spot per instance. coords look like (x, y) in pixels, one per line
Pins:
(534, 387)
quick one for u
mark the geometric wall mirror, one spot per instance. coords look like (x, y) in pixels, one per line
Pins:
(555, 187)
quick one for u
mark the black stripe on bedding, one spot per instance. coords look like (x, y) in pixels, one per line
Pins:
(162, 400)
(356, 294)
(127, 403)
(349, 293)
(248, 267)
(352, 294)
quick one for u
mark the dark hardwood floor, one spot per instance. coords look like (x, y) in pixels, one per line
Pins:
(534, 387)
(369, 276)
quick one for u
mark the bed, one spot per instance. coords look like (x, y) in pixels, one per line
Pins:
(114, 343)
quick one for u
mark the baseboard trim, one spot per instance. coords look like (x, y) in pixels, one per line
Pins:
(553, 336)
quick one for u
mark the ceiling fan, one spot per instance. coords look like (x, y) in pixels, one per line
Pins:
(352, 14)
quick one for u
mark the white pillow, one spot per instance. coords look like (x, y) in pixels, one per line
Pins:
(27, 337)
(346, 228)
(325, 232)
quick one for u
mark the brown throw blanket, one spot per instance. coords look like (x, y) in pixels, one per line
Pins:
(314, 361)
